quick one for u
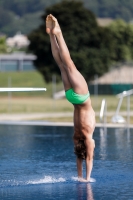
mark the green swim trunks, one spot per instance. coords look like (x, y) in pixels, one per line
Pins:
(75, 98)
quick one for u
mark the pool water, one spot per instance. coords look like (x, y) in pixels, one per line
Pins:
(38, 163)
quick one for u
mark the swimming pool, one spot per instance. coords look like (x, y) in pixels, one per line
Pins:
(37, 163)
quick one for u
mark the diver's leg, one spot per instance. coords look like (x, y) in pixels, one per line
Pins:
(56, 55)
(55, 52)
(76, 79)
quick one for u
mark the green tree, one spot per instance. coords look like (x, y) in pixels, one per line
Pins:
(3, 47)
(14, 13)
(122, 33)
(6, 17)
(113, 9)
(89, 44)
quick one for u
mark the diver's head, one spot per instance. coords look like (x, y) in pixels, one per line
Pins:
(80, 150)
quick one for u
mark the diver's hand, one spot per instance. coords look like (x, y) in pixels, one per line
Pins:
(83, 180)
(91, 180)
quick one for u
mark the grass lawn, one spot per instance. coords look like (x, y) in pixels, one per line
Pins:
(27, 79)
(42, 102)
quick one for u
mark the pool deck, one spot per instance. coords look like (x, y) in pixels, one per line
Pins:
(34, 119)
(44, 123)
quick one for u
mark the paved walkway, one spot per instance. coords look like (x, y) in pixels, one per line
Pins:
(33, 116)
(39, 119)
(39, 116)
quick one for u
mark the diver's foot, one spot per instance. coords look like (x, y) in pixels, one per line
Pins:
(49, 24)
(56, 28)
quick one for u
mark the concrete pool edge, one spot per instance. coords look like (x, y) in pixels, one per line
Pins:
(47, 123)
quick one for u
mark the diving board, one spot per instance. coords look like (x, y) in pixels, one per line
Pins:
(21, 89)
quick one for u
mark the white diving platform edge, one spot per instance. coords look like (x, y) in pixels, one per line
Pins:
(21, 89)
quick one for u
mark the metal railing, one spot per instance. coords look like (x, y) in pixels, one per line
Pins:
(103, 112)
(117, 117)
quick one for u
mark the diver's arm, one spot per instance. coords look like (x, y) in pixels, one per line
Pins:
(90, 145)
(89, 166)
(79, 167)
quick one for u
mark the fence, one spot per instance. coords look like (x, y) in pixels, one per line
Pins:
(110, 89)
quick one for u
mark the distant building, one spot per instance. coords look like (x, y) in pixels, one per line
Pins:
(17, 62)
(115, 81)
(18, 41)
(118, 75)
(104, 21)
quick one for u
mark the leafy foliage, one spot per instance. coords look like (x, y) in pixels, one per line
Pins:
(3, 47)
(122, 36)
(89, 44)
(113, 9)
(13, 13)
(25, 24)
